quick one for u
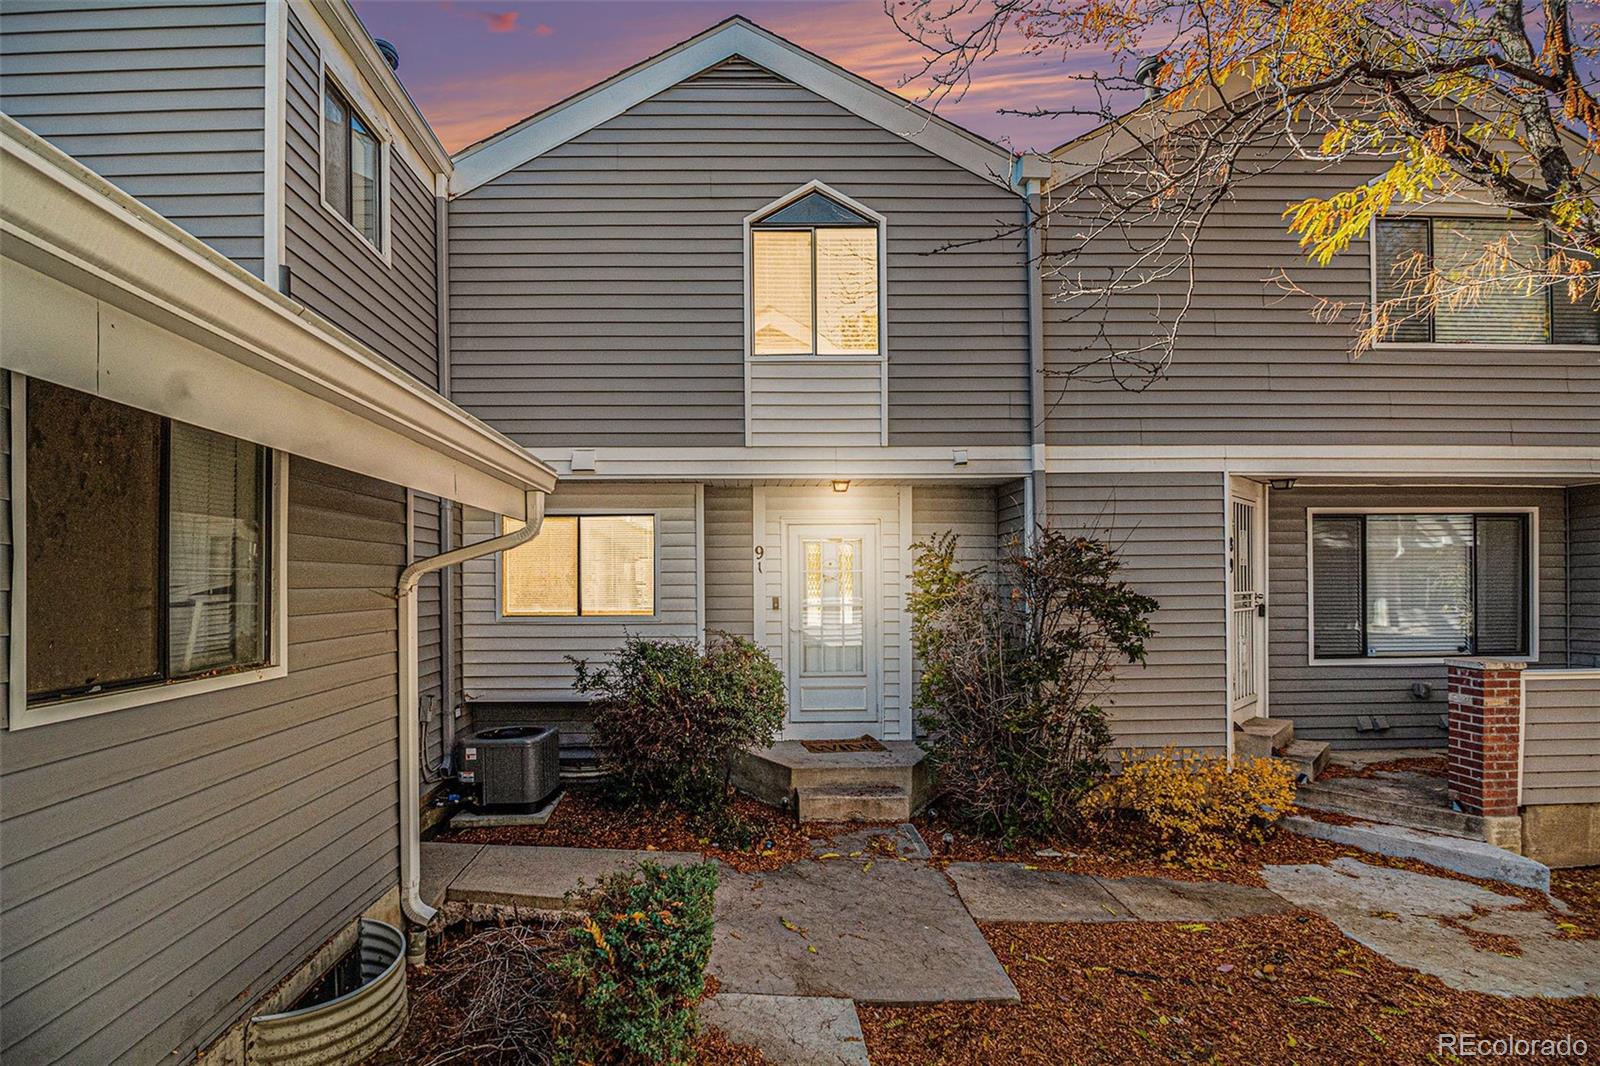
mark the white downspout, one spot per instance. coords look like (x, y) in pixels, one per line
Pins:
(410, 741)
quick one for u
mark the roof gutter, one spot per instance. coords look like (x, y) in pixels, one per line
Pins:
(411, 902)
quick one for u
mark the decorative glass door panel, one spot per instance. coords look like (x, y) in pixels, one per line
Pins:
(832, 629)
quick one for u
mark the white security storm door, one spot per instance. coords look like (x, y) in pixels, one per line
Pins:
(831, 616)
(1247, 561)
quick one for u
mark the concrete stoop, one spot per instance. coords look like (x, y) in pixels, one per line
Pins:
(1261, 738)
(1397, 799)
(1474, 858)
(850, 786)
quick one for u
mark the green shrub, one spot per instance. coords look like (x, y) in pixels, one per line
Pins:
(1190, 808)
(636, 968)
(1015, 665)
(670, 717)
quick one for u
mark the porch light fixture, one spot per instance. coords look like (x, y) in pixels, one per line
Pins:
(1281, 484)
(841, 485)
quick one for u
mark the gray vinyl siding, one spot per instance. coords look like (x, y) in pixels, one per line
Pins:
(1252, 367)
(524, 659)
(1561, 750)
(1169, 530)
(334, 271)
(7, 546)
(968, 511)
(1012, 514)
(730, 560)
(1324, 700)
(164, 99)
(597, 291)
(165, 866)
(1584, 515)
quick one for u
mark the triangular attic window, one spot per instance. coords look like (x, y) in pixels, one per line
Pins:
(815, 209)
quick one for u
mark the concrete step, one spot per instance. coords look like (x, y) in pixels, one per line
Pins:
(1258, 738)
(1334, 794)
(774, 774)
(1310, 757)
(852, 803)
(1475, 858)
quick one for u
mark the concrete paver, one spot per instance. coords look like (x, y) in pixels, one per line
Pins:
(790, 1030)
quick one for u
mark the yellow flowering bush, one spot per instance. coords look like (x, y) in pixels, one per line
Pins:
(1188, 807)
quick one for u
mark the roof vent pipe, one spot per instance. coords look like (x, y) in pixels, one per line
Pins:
(1145, 74)
(391, 54)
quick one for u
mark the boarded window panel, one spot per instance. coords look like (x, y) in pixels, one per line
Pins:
(617, 564)
(781, 301)
(217, 552)
(1402, 248)
(540, 578)
(94, 544)
(336, 151)
(1501, 564)
(847, 291)
(1419, 584)
(1336, 586)
(1508, 312)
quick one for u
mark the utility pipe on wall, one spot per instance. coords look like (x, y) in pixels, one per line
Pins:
(410, 731)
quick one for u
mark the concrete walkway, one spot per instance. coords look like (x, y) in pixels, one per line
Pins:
(1011, 892)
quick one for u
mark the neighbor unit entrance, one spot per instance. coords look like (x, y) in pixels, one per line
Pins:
(1247, 623)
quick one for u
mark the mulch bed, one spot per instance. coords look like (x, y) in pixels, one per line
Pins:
(1276, 988)
(582, 820)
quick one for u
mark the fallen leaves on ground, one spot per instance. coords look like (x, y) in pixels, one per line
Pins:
(1274, 988)
(1430, 765)
(582, 820)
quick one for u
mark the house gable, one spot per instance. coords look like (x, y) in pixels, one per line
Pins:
(740, 38)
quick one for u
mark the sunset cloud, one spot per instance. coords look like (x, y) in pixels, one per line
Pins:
(471, 84)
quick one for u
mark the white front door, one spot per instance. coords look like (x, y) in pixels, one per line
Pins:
(1248, 628)
(831, 618)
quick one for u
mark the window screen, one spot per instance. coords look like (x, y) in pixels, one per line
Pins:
(1414, 585)
(601, 565)
(94, 556)
(1336, 586)
(148, 547)
(1402, 259)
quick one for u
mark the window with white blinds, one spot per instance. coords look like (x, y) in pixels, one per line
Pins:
(1509, 311)
(148, 548)
(1418, 585)
(581, 566)
(814, 280)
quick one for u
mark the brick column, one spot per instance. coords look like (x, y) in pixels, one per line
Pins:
(1485, 736)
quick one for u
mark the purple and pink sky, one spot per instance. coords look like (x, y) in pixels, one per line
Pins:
(475, 68)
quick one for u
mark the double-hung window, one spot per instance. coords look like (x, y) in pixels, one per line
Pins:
(352, 165)
(1507, 311)
(581, 566)
(149, 549)
(1390, 585)
(814, 280)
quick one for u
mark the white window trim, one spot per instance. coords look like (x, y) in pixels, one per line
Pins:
(1532, 656)
(1439, 209)
(881, 356)
(22, 715)
(364, 110)
(587, 619)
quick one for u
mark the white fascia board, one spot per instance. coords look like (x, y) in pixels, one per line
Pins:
(104, 295)
(1575, 465)
(539, 134)
(805, 463)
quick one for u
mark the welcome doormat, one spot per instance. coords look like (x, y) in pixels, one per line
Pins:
(832, 747)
